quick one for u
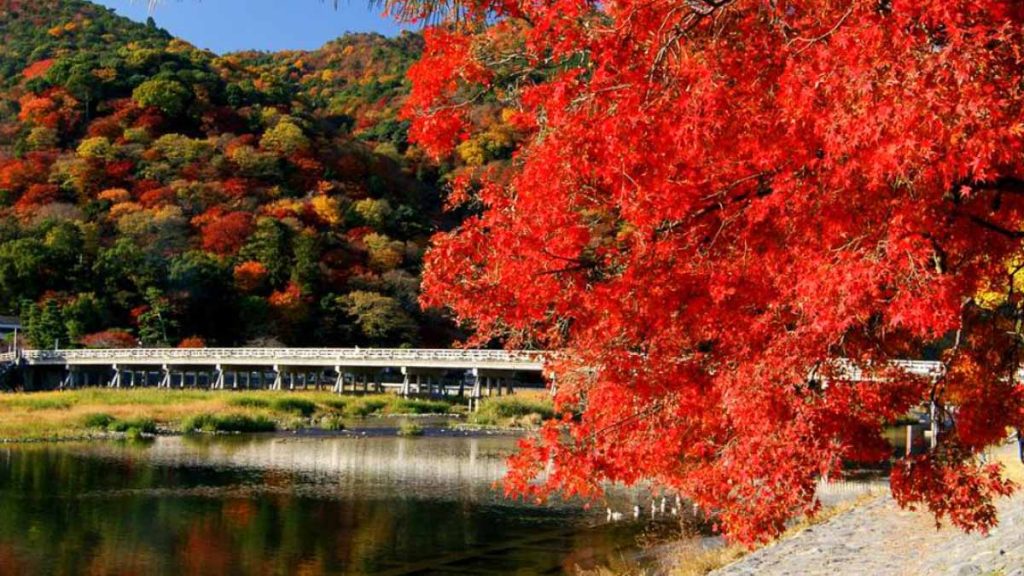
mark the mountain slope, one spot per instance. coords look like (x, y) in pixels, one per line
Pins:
(154, 192)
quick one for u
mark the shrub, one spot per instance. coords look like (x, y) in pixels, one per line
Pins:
(228, 423)
(249, 402)
(294, 405)
(365, 406)
(515, 411)
(98, 420)
(415, 406)
(138, 425)
(335, 405)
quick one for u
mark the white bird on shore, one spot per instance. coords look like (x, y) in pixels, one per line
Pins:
(614, 516)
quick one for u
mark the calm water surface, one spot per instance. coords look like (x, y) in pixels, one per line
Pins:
(285, 505)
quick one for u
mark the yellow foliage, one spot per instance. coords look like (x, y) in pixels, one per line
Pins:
(327, 208)
(373, 211)
(383, 253)
(98, 147)
(178, 45)
(106, 74)
(472, 153)
(284, 205)
(994, 294)
(121, 209)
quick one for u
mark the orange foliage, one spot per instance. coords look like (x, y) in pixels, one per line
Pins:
(114, 338)
(192, 342)
(225, 234)
(37, 195)
(250, 275)
(37, 69)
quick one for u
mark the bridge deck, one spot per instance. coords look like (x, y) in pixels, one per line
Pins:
(526, 361)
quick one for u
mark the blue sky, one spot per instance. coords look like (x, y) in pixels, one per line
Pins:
(228, 25)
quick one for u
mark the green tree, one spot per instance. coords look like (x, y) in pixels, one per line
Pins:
(269, 245)
(168, 96)
(306, 271)
(23, 265)
(44, 324)
(157, 325)
(374, 212)
(202, 284)
(284, 138)
(381, 319)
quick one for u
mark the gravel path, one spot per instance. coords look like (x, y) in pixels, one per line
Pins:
(880, 539)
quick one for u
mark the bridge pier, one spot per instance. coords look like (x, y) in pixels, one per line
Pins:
(68, 382)
(115, 380)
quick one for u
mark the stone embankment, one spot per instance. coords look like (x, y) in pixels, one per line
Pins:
(880, 539)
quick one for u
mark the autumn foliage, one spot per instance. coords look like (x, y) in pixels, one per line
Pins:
(711, 203)
(155, 190)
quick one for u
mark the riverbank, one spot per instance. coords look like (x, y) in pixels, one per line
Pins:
(102, 413)
(881, 539)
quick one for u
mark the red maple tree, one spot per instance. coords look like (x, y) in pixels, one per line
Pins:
(714, 199)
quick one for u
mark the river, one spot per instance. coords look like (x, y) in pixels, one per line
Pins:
(308, 505)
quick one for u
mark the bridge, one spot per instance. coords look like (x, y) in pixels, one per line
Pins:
(408, 371)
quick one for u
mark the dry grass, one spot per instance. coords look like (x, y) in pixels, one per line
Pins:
(57, 415)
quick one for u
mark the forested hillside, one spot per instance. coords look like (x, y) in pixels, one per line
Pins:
(153, 192)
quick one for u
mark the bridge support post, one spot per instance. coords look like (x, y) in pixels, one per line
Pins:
(115, 381)
(474, 398)
(277, 378)
(165, 382)
(405, 382)
(69, 379)
(218, 383)
(339, 382)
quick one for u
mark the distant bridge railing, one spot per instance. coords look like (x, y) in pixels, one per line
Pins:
(370, 357)
(529, 360)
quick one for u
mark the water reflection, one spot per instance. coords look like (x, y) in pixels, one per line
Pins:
(282, 505)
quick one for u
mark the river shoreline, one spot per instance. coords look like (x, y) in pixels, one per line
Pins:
(112, 414)
(460, 430)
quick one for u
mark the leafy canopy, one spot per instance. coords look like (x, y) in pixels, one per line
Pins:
(710, 201)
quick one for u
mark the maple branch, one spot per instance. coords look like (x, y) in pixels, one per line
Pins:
(993, 227)
(1010, 185)
(831, 31)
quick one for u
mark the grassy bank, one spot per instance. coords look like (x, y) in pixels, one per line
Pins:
(524, 410)
(96, 411)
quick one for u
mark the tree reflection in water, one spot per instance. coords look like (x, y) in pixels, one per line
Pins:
(273, 505)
